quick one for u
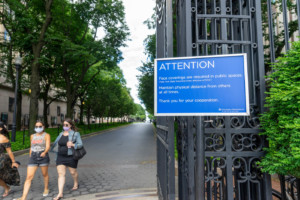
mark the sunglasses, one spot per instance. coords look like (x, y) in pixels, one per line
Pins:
(38, 126)
(66, 125)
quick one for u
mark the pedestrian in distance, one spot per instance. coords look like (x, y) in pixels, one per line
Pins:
(9, 174)
(69, 138)
(38, 157)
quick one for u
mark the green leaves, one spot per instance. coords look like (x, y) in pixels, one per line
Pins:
(282, 121)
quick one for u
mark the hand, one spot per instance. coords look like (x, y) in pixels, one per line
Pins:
(70, 144)
(43, 155)
(14, 164)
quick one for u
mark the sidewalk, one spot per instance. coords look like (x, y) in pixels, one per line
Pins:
(133, 194)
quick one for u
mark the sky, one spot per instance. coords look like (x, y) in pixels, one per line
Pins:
(137, 11)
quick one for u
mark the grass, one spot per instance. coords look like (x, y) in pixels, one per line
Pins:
(82, 129)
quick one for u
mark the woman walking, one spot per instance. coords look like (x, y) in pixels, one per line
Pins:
(38, 157)
(63, 145)
(9, 175)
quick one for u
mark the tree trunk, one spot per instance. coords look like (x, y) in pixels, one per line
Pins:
(46, 105)
(45, 113)
(69, 109)
(35, 75)
(34, 95)
(88, 116)
(81, 112)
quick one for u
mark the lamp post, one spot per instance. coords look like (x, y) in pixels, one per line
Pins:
(18, 63)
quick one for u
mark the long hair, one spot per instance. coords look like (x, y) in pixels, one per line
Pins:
(4, 130)
(70, 121)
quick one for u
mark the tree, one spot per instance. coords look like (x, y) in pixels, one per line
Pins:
(146, 80)
(82, 50)
(282, 121)
(30, 21)
(279, 41)
(107, 96)
(140, 114)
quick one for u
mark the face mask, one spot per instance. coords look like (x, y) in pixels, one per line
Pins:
(39, 130)
(66, 128)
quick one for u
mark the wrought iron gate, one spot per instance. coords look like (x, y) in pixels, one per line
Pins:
(225, 149)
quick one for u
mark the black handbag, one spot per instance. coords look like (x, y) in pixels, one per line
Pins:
(78, 153)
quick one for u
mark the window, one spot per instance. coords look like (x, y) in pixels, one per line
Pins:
(62, 117)
(4, 117)
(53, 121)
(11, 104)
(58, 110)
(48, 110)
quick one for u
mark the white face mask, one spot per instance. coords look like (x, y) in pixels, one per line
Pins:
(39, 130)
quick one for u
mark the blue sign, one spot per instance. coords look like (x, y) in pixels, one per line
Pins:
(204, 86)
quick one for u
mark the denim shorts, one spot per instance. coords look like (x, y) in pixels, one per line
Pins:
(36, 159)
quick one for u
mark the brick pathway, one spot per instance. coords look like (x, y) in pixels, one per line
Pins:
(118, 160)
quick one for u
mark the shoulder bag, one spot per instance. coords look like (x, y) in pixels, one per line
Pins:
(78, 153)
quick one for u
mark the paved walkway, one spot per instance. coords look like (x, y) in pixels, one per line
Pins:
(122, 159)
(133, 194)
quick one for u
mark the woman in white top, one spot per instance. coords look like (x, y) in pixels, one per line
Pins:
(40, 145)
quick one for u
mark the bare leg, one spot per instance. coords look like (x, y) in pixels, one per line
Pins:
(46, 177)
(74, 174)
(30, 174)
(6, 187)
(61, 170)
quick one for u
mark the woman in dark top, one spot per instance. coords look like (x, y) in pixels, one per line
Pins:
(9, 174)
(63, 145)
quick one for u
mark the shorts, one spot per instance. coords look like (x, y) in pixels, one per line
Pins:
(36, 159)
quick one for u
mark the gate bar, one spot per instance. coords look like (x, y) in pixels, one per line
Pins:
(271, 32)
(286, 27)
(171, 160)
(200, 159)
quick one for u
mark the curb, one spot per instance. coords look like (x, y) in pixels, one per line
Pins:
(24, 151)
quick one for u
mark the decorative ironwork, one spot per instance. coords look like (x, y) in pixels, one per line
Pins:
(246, 142)
(215, 142)
(232, 144)
(160, 10)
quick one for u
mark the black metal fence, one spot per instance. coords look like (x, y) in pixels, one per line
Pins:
(228, 150)
(165, 158)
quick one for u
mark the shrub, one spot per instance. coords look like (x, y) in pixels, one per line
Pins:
(281, 123)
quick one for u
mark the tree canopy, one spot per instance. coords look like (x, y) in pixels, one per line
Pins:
(68, 48)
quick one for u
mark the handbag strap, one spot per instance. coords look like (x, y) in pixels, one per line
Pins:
(73, 136)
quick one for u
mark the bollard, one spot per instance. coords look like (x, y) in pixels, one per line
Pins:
(58, 130)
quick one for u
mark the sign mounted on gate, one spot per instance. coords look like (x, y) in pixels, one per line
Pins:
(201, 86)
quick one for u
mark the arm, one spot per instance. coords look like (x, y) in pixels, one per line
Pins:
(31, 136)
(78, 143)
(47, 138)
(9, 152)
(12, 157)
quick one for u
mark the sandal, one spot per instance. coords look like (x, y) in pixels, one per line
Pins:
(75, 188)
(46, 192)
(6, 193)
